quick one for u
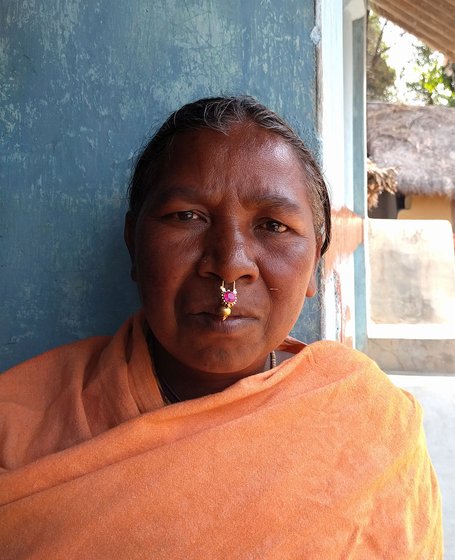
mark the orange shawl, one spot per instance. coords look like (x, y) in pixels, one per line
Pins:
(321, 457)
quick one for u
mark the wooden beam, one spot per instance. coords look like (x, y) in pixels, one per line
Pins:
(428, 39)
(443, 17)
(432, 30)
(421, 18)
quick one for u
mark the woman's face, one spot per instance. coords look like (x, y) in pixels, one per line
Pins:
(225, 207)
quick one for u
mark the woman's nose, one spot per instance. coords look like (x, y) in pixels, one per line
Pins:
(229, 255)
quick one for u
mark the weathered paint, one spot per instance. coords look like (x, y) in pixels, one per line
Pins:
(82, 86)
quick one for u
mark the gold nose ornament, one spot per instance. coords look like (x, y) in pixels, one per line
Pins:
(228, 300)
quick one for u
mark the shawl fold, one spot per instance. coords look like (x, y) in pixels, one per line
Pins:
(321, 457)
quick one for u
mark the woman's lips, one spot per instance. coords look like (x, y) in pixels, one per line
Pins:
(213, 321)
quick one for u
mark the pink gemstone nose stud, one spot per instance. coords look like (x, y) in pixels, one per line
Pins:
(228, 300)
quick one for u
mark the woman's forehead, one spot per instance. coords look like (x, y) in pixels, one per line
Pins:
(243, 144)
(249, 166)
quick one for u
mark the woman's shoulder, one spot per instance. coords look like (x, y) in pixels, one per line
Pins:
(333, 359)
(68, 361)
(39, 396)
(57, 399)
(53, 364)
(355, 378)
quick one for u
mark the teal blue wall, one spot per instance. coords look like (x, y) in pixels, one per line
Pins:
(83, 85)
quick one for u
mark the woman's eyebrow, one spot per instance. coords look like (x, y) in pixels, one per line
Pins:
(163, 196)
(278, 202)
(265, 201)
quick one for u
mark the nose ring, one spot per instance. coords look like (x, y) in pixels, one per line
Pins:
(228, 300)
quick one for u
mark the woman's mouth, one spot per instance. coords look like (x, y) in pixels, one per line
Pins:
(214, 322)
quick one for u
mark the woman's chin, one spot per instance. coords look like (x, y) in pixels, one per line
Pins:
(206, 343)
(225, 360)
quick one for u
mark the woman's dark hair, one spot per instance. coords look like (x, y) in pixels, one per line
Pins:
(220, 113)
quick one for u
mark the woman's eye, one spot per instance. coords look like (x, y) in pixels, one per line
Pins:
(274, 226)
(186, 216)
(190, 217)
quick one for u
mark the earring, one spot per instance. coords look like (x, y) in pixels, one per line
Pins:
(228, 300)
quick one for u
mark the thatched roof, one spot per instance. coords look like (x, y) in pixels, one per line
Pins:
(432, 21)
(418, 142)
(380, 179)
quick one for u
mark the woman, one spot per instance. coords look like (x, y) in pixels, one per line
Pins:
(199, 430)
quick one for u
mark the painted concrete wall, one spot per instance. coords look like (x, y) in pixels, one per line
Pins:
(412, 272)
(411, 323)
(83, 85)
(420, 207)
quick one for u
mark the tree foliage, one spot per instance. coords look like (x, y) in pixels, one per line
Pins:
(380, 76)
(436, 84)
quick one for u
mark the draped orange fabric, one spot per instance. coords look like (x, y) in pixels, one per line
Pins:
(319, 458)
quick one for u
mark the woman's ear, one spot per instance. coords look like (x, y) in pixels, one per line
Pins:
(313, 284)
(129, 236)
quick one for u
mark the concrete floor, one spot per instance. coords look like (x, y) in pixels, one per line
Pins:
(436, 393)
